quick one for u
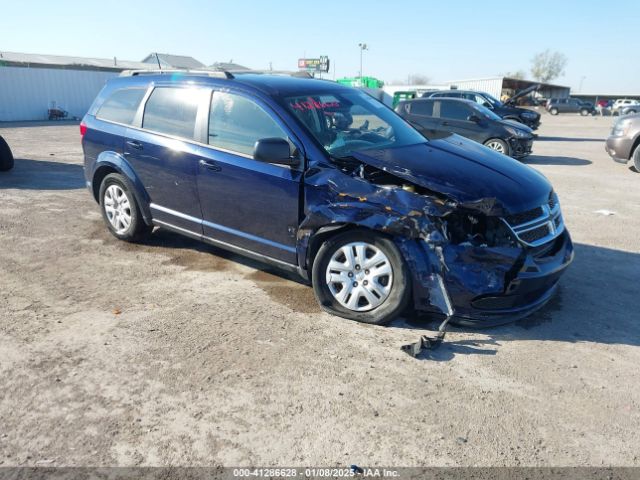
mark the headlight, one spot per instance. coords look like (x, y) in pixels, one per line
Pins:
(621, 128)
(529, 115)
(516, 132)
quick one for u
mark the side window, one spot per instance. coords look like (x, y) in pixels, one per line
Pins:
(172, 111)
(122, 105)
(422, 108)
(236, 123)
(454, 110)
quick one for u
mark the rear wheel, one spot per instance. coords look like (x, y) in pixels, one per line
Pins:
(362, 276)
(631, 112)
(498, 145)
(584, 112)
(120, 209)
(553, 111)
(6, 157)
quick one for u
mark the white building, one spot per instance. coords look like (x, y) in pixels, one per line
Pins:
(32, 84)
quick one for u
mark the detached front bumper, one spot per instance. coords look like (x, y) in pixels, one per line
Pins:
(492, 286)
(521, 147)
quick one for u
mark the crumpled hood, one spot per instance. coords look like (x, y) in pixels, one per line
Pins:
(466, 172)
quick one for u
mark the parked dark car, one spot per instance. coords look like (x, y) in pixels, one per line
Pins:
(507, 110)
(435, 117)
(6, 157)
(623, 144)
(570, 105)
(323, 180)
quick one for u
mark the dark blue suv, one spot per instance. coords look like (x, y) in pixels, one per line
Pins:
(324, 180)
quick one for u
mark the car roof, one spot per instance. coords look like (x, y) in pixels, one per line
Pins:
(273, 85)
(442, 99)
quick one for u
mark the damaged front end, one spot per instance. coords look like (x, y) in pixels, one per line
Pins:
(467, 256)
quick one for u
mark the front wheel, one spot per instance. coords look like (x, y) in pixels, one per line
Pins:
(498, 145)
(636, 159)
(120, 209)
(362, 276)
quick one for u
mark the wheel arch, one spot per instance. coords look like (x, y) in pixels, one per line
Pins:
(109, 162)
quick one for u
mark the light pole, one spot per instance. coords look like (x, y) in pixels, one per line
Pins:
(581, 80)
(363, 47)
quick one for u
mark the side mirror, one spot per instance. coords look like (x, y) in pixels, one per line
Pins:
(473, 118)
(274, 150)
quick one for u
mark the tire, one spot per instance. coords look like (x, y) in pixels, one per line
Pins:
(553, 111)
(6, 157)
(498, 145)
(630, 112)
(393, 292)
(120, 210)
(636, 159)
(584, 112)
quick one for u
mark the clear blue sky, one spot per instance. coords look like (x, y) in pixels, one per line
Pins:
(445, 40)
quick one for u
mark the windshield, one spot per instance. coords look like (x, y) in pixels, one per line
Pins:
(351, 121)
(494, 101)
(484, 111)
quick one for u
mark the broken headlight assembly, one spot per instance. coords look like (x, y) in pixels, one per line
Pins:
(468, 228)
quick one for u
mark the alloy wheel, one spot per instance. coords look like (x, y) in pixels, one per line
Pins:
(118, 208)
(359, 276)
(495, 145)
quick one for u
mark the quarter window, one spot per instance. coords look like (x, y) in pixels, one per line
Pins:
(121, 106)
(237, 123)
(173, 111)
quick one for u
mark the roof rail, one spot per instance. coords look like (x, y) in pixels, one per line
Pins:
(300, 74)
(156, 71)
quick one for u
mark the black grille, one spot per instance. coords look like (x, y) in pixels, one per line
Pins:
(535, 234)
(524, 217)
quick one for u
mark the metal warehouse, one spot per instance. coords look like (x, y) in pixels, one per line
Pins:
(497, 86)
(31, 85)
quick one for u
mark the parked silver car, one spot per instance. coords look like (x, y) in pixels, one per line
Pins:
(624, 140)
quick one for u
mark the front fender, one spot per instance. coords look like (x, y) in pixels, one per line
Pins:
(108, 162)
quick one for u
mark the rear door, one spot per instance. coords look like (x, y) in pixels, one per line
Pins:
(247, 203)
(165, 155)
(420, 114)
(453, 118)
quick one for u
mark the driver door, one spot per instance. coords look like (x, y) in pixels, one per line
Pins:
(247, 203)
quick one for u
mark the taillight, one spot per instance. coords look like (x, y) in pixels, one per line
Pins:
(83, 129)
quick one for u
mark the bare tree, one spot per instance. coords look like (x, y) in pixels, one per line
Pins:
(548, 65)
(418, 79)
(517, 74)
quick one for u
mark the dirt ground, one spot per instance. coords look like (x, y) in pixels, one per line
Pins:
(176, 353)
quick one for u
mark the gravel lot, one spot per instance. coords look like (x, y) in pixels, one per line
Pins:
(176, 353)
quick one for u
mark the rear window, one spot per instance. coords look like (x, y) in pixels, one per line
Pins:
(122, 105)
(172, 111)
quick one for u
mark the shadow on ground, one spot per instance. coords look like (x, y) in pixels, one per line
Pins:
(544, 160)
(568, 139)
(28, 174)
(597, 303)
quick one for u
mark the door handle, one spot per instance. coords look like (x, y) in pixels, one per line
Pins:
(445, 123)
(209, 165)
(134, 144)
